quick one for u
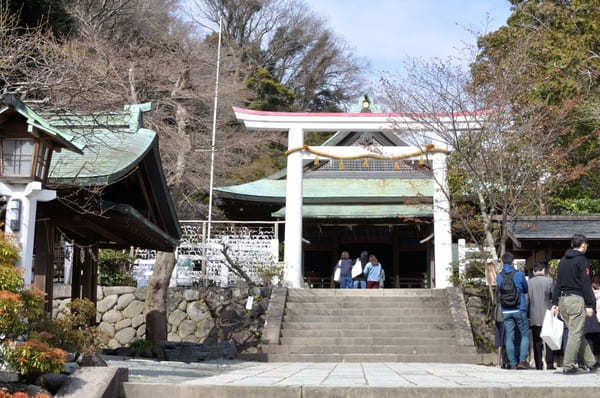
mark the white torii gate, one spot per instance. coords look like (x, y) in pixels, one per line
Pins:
(297, 123)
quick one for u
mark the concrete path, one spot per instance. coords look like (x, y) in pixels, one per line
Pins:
(247, 379)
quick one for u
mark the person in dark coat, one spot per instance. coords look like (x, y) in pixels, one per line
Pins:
(345, 265)
(574, 299)
(360, 282)
(540, 301)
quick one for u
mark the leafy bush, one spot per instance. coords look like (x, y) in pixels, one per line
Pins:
(73, 332)
(267, 272)
(114, 268)
(20, 394)
(35, 357)
(20, 311)
(10, 278)
(146, 348)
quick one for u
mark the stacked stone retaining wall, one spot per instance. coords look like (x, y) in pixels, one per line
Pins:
(199, 315)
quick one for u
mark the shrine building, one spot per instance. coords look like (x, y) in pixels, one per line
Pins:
(364, 188)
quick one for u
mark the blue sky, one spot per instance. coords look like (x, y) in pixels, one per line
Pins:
(387, 31)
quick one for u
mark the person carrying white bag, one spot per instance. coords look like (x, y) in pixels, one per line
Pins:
(574, 299)
(540, 301)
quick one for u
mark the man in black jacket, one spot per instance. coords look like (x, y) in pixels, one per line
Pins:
(574, 298)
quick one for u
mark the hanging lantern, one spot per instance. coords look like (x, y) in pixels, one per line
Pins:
(341, 164)
(421, 161)
(366, 163)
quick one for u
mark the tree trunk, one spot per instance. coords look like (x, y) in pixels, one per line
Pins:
(487, 225)
(156, 297)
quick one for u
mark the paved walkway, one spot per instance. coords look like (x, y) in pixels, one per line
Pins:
(397, 375)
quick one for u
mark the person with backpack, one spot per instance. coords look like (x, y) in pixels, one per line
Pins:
(512, 288)
(373, 272)
(574, 299)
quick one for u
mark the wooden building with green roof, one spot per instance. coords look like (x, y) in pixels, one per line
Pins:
(111, 191)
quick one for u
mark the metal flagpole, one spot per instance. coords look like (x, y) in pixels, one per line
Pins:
(214, 131)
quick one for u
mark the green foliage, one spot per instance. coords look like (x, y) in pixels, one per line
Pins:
(19, 308)
(564, 43)
(146, 348)
(10, 278)
(114, 268)
(575, 206)
(270, 95)
(73, 332)
(34, 357)
(9, 253)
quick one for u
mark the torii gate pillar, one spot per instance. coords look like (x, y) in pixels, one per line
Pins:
(442, 227)
(292, 255)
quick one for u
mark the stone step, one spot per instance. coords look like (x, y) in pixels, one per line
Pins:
(367, 292)
(298, 309)
(370, 326)
(525, 389)
(371, 340)
(390, 318)
(365, 333)
(339, 302)
(422, 358)
(369, 349)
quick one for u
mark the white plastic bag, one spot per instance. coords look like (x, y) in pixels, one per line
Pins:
(552, 331)
(357, 268)
(337, 273)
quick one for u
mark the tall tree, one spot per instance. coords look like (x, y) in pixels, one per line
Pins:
(566, 51)
(503, 149)
(33, 14)
(293, 44)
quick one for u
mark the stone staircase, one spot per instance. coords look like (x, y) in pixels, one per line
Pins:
(378, 325)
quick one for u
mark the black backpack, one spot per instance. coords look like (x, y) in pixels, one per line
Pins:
(509, 295)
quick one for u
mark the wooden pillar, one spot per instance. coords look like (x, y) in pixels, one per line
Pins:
(44, 260)
(76, 273)
(396, 256)
(94, 260)
(87, 278)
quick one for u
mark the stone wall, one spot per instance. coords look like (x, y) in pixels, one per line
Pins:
(199, 315)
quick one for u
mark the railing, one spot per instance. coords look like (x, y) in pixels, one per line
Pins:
(251, 244)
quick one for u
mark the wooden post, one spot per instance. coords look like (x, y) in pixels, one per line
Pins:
(94, 273)
(76, 273)
(44, 261)
(87, 279)
(396, 256)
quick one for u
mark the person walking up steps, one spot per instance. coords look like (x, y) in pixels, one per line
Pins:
(512, 288)
(540, 300)
(574, 299)
(373, 272)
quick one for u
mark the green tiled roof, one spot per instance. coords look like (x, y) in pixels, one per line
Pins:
(113, 146)
(362, 211)
(334, 190)
(62, 137)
